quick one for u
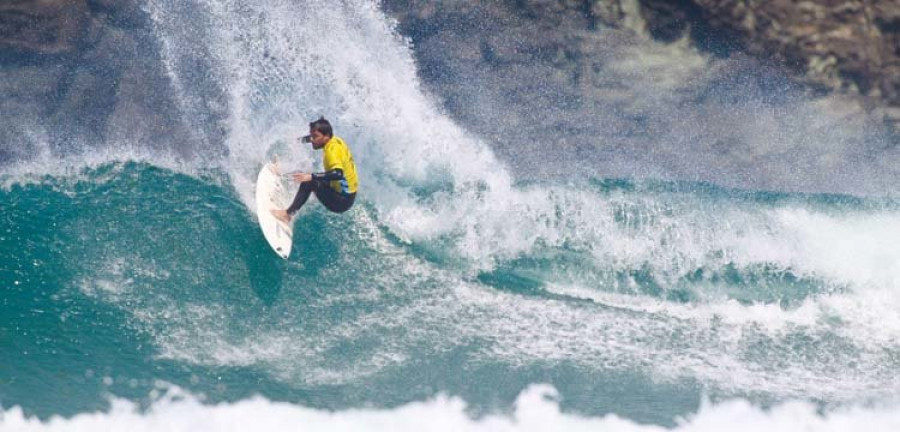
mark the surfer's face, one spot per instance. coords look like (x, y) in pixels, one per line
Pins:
(317, 139)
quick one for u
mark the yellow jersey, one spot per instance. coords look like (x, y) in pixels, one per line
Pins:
(336, 155)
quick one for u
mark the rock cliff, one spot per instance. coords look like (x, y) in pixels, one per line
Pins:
(80, 73)
(848, 46)
(746, 94)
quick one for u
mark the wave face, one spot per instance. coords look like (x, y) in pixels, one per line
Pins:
(451, 276)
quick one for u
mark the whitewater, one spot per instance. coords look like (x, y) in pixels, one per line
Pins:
(457, 294)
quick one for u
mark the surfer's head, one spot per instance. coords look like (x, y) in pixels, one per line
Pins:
(319, 133)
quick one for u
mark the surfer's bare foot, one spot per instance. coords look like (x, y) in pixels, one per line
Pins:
(281, 215)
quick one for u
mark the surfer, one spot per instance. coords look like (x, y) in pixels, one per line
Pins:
(336, 187)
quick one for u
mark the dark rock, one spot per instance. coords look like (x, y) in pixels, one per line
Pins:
(78, 74)
(121, 13)
(42, 26)
(847, 46)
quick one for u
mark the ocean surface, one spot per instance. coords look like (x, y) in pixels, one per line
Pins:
(138, 292)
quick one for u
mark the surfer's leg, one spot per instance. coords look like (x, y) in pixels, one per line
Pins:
(302, 195)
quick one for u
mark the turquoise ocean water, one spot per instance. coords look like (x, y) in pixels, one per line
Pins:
(139, 293)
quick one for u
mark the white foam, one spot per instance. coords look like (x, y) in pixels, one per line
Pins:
(536, 409)
(37, 168)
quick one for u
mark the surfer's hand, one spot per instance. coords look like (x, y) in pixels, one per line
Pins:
(302, 177)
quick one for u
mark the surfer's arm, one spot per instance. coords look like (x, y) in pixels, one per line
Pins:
(335, 174)
(302, 177)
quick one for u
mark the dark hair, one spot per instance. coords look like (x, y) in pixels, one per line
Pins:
(322, 126)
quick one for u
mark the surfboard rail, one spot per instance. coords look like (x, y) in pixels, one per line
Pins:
(271, 194)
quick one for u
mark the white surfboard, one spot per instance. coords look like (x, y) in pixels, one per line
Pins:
(272, 194)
